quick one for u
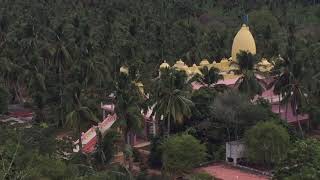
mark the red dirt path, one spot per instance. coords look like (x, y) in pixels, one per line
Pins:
(226, 172)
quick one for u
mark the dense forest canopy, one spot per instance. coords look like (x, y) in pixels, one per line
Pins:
(61, 59)
(61, 52)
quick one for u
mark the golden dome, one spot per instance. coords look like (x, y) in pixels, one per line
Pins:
(264, 65)
(204, 62)
(164, 65)
(179, 64)
(223, 66)
(139, 84)
(225, 62)
(265, 62)
(243, 41)
(194, 66)
(124, 70)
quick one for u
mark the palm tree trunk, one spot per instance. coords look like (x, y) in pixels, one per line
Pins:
(229, 136)
(130, 164)
(80, 139)
(279, 105)
(124, 147)
(127, 143)
(286, 115)
(236, 129)
(60, 123)
(299, 124)
(168, 125)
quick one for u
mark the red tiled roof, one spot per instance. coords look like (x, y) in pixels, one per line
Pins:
(90, 146)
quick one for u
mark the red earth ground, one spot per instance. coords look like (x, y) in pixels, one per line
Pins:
(225, 172)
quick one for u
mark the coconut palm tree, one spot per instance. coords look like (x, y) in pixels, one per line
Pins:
(297, 98)
(77, 117)
(295, 93)
(280, 83)
(209, 76)
(172, 101)
(128, 103)
(37, 88)
(61, 60)
(246, 61)
(248, 83)
(106, 146)
(11, 77)
(128, 106)
(289, 86)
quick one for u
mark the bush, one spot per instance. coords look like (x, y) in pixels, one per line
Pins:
(219, 152)
(115, 172)
(45, 167)
(267, 143)
(302, 162)
(294, 136)
(181, 153)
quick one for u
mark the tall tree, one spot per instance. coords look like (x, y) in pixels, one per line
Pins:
(209, 76)
(128, 106)
(172, 103)
(76, 119)
(248, 83)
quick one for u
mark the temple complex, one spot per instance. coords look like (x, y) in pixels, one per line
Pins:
(243, 41)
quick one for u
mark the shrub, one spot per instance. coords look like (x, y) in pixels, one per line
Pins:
(114, 172)
(302, 161)
(201, 176)
(181, 153)
(294, 136)
(267, 142)
(45, 167)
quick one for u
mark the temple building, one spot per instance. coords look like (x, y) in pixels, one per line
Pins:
(243, 41)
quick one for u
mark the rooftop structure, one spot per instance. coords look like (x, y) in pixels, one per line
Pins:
(243, 41)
